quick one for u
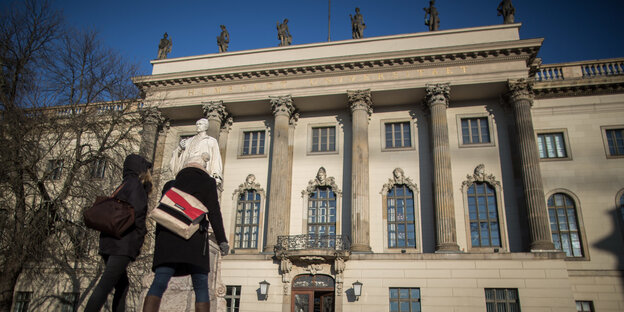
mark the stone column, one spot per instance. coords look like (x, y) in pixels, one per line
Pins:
(278, 212)
(215, 113)
(520, 97)
(361, 108)
(437, 99)
(223, 137)
(152, 119)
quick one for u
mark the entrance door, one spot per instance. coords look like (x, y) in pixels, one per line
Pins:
(313, 293)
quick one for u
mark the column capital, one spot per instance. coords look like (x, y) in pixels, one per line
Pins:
(215, 110)
(282, 105)
(226, 125)
(520, 89)
(152, 115)
(437, 93)
(360, 99)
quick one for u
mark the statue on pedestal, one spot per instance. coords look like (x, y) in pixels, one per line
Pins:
(196, 146)
(164, 47)
(283, 34)
(357, 25)
(433, 21)
(223, 39)
(507, 10)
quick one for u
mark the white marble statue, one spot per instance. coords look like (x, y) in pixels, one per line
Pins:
(195, 146)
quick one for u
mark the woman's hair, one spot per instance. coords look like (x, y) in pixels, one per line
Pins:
(146, 179)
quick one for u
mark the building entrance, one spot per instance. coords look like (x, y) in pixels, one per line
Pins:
(313, 293)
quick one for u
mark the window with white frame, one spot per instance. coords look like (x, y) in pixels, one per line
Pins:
(552, 145)
(483, 214)
(405, 299)
(253, 143)
(323, 139)
(232, 298)
(502, 300)
(247, 220)
(564, 224)
(584, 306)
(22, 300)
(397, 134)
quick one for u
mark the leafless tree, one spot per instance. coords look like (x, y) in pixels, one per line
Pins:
(69, 114)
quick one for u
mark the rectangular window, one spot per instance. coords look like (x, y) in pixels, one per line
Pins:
(22, 300)
(98, 169)
(475, 130)
(502, 300)
(253, 143)
(55, 168)
(398, 135)
(401, 217)
(323, 139)
(232, 298)
(615, 141)
(69, 302)
(404, 299)
(584, 306)
(483, 214)
(247, 220)
(551, 145)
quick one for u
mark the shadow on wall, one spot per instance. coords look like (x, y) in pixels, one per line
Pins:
(345, 123)
(615, 240)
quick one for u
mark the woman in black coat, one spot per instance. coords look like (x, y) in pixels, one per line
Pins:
(118, 253)
(176, 256)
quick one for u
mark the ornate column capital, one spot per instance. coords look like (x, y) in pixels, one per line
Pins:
(438, 93)
(152, 115)
(519, 90)
(360, 99)
(215, 110)
(282, 105)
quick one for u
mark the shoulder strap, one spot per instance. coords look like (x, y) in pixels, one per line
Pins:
(118, 189)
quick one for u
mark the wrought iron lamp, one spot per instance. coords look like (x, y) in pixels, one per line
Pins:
(357, 289)
(264, 289)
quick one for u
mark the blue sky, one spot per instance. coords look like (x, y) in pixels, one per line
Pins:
(573, 30)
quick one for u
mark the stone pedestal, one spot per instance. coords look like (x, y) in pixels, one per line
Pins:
(360, 103)
(520, 99)
(437, 99)
(278, 215)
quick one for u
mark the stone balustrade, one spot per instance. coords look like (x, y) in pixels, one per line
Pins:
(578, 70)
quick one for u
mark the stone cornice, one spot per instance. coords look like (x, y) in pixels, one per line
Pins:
(468, 54)
(579, 87)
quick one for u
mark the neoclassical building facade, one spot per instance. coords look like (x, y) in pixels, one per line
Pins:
(442, 171)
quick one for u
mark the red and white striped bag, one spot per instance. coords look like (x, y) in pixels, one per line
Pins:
(179, 212)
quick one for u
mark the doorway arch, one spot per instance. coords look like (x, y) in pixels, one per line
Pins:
(313, 293)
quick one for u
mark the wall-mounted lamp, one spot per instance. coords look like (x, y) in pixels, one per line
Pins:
(357, 289)
(264, 289)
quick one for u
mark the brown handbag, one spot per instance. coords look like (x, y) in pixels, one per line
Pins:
(109, 215)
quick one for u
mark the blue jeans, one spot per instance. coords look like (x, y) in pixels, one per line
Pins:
(163, 274)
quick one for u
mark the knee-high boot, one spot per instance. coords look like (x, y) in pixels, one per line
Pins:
(151, 304)
(202, 306)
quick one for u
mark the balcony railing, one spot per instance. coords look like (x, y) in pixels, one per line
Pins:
(313, 241)
(582, 70)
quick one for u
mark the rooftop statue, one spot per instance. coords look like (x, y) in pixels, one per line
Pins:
(433, 21)
(223, 39)
(507, 10)
(164, 47)
(283, 34)
(357, 25)
(198, 146)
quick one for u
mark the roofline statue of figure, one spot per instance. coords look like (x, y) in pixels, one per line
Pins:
(164, 47)
(223, 39)
(507, 10)
(433, 21)
(357, 25)
(283, 34)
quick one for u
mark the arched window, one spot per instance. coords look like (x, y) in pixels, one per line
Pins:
(322, 211)
(247, 220)
(564, 224)
(401, 217)
(249, 198)
(483, 214)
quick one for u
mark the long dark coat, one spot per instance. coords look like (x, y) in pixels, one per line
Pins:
(192, 255)
(133, 193)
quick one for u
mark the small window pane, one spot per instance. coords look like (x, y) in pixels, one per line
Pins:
(398, 135)
(253, 143)
(475, 130)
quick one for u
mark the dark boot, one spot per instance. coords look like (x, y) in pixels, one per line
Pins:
(202, 306)
(151, 304)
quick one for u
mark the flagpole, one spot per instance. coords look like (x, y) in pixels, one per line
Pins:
(329, 20)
